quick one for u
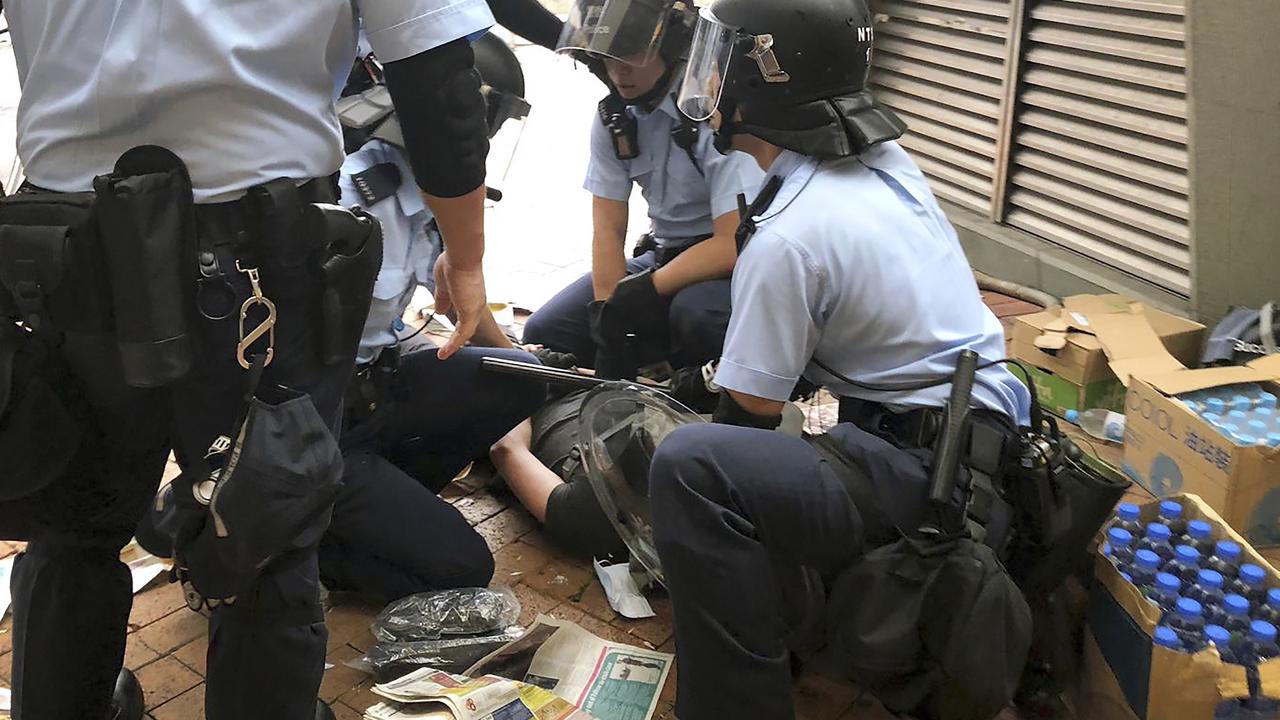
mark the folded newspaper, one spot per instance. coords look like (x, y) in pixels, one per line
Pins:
(427, 694)
(556, 671)
(611, 681)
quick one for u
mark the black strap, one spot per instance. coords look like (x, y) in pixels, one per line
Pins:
(685, 136)
(377, 183)
(747, 213)
(621, 126)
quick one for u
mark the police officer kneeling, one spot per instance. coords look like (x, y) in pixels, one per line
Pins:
(207, 297)
(850, 277)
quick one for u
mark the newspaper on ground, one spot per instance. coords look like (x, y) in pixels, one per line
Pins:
(143, 566)
(611, 681)
(622, 590)
(431, 694)
(6, 571)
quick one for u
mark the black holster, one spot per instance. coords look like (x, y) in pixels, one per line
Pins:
(146, 219)
(352, 258)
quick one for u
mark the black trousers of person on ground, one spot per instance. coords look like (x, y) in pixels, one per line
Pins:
(734, 509)
(71, 593)
(391, 534)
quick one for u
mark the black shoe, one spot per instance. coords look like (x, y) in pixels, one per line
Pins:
(323, 712)
(126, 701)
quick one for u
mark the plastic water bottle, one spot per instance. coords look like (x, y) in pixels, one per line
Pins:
(1241, 403)
(1262, 641)
(1157, 540)
(1200, 536)
(1208, 591)
(1239, 418)
(1187, 621)
(1258, 428)
(1270, 610)
(1128, 517)
(1120, 547)
(1250, 584)
(1185, 564)
(1220, 638)
(1267, 400)
(1237, 620)
(1166, 637)
(1171, 516)
(1215, 405)
(1225, 559)
(1102, 424)
(1273, 439)
(1165, 591)
(1146, 565)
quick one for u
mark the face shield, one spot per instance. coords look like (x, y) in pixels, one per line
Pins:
(709, 58)
(629, 31)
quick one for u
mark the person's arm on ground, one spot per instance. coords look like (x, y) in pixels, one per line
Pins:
(710, 259)
(529, 480)
(608, 245)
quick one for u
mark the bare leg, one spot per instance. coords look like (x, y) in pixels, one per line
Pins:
(529, 480)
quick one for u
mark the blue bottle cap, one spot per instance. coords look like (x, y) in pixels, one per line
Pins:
(1244, 439)
(1267, 400)
(1252, 574)
(1166, 637)
(1265, 412)
(1073, 416)
(1158, 532)
(1199, 529)
(1257, 427)
(1127, 577)
(1227, 550)
(1216, 405)
(1262, 630)
(1187, 606)
(1228, 428)
(1273, 597)
(1238, 416)
(1128, 511)
(1273, 439)
(1217, 635)
(1168, 583)
(1146, 560)
(1192, 405)
(1212, 418)
(1187, 554)
(1119, 537)
(1236, 605)
(1241, 403)
(1170, 509)
(1209, 578)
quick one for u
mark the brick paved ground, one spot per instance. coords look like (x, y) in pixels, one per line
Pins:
(167, 642)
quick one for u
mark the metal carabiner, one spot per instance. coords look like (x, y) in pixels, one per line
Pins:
(265, 328)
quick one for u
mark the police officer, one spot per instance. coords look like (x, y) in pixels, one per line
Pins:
(243, 96)
(851, 277)
(414, 421)
(679, 288)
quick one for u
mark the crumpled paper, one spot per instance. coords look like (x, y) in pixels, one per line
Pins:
(621, 589)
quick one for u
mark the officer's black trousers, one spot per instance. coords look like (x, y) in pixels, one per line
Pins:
(699, 319)
(71, 595)
(391, 534)
(731, 507)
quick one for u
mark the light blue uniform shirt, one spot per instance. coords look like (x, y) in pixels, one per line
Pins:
(682, 203)
(241, 91)
(408, 247)
(855, 264)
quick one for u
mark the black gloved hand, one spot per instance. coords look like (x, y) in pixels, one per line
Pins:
(636, 307)
(553, 359)
(614, 356)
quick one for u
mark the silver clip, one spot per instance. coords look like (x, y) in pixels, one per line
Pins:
(762, 53)
(266, 328)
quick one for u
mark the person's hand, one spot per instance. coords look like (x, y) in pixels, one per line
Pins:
(460, 292)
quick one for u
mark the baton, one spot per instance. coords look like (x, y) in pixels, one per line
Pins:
(530, 371)
(946, 457)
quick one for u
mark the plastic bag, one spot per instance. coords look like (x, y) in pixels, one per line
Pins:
(450, 654)
(465, 611)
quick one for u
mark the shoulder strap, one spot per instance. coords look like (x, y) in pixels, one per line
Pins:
(685, 136)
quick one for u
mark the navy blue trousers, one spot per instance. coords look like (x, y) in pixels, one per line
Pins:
(391, 534)
(733, 509)
(699, 319)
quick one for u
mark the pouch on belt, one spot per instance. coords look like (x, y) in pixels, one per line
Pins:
(146, 219)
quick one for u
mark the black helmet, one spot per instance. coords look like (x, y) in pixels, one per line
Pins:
(796, 72)
(503, 81)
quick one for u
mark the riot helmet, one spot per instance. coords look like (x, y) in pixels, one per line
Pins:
(792, 73)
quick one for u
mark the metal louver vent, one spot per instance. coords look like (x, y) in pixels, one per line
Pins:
(940, 64)
(1098, 161)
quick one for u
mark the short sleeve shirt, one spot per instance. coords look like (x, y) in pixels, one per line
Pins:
(241, 91)
(684, 198)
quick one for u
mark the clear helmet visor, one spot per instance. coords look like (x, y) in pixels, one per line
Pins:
(704, 76)
(629, 31)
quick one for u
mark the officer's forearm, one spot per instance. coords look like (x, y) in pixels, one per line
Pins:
(608, 264)
(461, 223)
(708, 260)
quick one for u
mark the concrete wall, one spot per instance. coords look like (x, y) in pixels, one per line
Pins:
(1234, 103)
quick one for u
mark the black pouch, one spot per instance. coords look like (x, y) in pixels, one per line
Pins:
(146, 218)
(273, 492)
(935, 629)
(350, 262)
(39, 433)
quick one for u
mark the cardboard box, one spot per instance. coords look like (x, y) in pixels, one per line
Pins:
(1084, 353)
(1126, 676)
(1170, 449)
